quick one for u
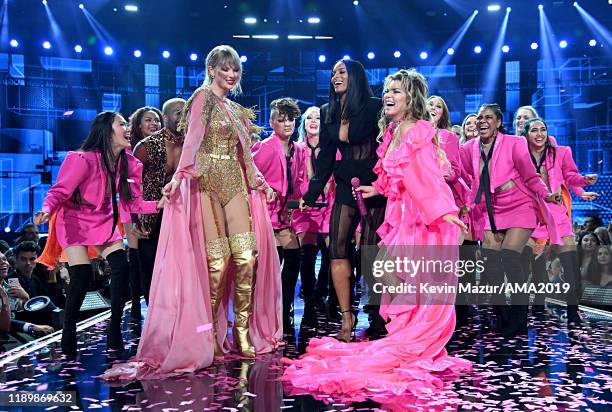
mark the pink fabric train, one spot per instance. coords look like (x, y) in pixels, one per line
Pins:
(177, 336)
(412, 358)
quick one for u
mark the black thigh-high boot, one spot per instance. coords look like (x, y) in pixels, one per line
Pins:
(493, 275)
(527, 261)
(519, 302)
(540, 277)
(289, 275)
(569, 261)
(147, 250)
(467, 253)
(281, 253)
(135, 289)
(308, 260)
(322, 286)
(80, 276)
(119, 289)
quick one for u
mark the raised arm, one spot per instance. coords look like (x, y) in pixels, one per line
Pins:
(73, 171)
(570, 171)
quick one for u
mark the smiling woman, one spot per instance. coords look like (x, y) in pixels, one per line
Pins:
(84, 211)
(216, 212)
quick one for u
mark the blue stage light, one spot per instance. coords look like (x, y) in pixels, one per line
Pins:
(371, 55)
(14, 43)
(108, 51)
(137, 53)
(322, 58)
(166, 54)
(46, 45)
(423, 55)
(78, 48)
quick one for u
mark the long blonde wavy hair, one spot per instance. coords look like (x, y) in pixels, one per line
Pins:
(415, 86)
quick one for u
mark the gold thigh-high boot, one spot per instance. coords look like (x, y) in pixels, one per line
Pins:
(244, 253)
(217, 255)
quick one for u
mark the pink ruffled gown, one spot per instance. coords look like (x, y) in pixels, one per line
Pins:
(412, 358)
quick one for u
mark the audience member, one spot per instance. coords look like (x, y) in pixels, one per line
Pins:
(600, 268)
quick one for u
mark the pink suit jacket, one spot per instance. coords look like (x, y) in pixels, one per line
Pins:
(566, 165)
(449, 143)
(269, 157)
(563, 172)
(85, 171)
(510, 161)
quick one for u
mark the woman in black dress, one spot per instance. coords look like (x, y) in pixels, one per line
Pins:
(349, 124)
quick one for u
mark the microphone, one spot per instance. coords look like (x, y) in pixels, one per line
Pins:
(355, 182)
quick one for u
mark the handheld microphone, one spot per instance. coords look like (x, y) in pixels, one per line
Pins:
(355, 182)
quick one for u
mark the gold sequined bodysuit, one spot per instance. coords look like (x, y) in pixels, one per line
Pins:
(218, 167)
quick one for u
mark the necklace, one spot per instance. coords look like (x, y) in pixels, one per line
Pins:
(172, 138)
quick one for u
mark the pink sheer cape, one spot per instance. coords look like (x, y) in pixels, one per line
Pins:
(178, 333)
(411, 359)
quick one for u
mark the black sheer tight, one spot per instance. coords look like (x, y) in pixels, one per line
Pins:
(343, 224)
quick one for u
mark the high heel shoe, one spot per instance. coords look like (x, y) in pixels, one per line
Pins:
(344, 336)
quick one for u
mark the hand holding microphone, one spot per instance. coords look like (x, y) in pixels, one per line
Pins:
(361, 192)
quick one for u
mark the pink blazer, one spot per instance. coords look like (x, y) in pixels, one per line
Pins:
(566, 165)
(269, 157)
(563, 172)
(85, 171)
(510, 160)
(449, 143)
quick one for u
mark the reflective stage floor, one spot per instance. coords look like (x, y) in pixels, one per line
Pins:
(550, 369)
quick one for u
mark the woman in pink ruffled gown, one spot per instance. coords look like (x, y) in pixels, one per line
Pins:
(216, 215)
(421, 216)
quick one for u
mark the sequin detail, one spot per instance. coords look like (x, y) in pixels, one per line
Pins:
(217, 167)
(153, 174)
(217, 248)
(242, 242)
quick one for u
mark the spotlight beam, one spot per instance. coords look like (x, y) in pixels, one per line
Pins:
(596, 27)
(4, 36)
(551, 58)
(492, 74)
(57, 32)
(101, 32)
(453, 43)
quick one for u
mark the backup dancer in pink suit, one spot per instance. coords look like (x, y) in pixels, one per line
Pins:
(510, 195)
(216, 211)
(312, 225)
(558, 170)
(83, 200)
(449, 143)
(420, 211)
(282, 163)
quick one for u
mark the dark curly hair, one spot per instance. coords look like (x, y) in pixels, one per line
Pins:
(285, 106)
(135, 119)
